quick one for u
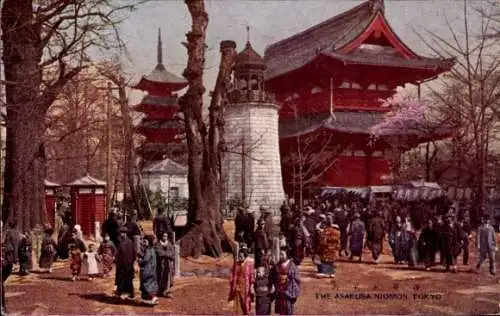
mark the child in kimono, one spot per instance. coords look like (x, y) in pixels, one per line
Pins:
(262, 293)
(76, 249)
(91, 259)
(107, 252)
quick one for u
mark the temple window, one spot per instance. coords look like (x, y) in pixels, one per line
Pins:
(316, 90)
(242, 84)
(372, 87)
(254, 84)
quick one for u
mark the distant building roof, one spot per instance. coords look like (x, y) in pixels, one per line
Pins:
(330, 36)
(87, 181)
(249, 58)
(166, 166)
(350, 122)
(50, 184)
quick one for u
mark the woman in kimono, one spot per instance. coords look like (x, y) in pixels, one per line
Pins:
(107, 251)
(357, 232)
(284, 281)
(165, 253)
(242, 283)
(49, 250)
(328, 248)
(147, 265)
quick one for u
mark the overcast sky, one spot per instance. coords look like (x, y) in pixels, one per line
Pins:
(269, 22)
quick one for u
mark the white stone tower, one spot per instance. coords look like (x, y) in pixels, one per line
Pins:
(253, 166)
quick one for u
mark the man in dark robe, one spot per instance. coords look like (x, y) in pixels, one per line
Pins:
(125, 258)
(239, 225)
(286, 220)
(451, 241)
(161, 224)
(342, 219)
(399, 242)
(7, 258)
(261, 243)
(134, 231)
(268, 222)
(284, 279)
(377, 233)
(12, 240)
(297, 241)
(110, 228)
(249, 228)
(428, 243)
(465, 233)
(357, 233)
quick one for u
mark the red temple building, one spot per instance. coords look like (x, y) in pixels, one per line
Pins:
(329, 80)
(161, 125)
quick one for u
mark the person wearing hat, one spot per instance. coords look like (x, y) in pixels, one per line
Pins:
(451, 238)
(268, 221)
(49, 250)
(239, 225)
(261, 243)
(241, 283)
(486, 244)
(249, 228)
(357, 233)
(125, 258)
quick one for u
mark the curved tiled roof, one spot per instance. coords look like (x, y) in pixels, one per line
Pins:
(87, 181)
(166, 166)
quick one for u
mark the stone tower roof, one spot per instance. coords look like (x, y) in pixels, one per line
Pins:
(249, 58)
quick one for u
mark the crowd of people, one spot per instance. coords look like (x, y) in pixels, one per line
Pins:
(123, 244)
(338, 227)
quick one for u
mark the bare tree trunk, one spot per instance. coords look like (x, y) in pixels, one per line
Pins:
(25, 153)
(205, 231)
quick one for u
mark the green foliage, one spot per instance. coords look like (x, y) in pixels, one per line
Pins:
(235, 202)
(177, 204)
(156, 199)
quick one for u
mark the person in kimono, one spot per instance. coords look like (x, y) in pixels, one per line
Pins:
(486, 244)
(451, 244)
(161, 224)
(125, 258)
(262, 293)
(377, 234)
(147, 275)
(297, 241)
(107, 251)
(241, 283)
(64, 238)
(465, 231)
(399, 242)
(239, 225)
(428, 244)
(261, 243)
(357, 235)
(165, 255)
(328, 248)
(284, 281)
(76, 250)
(49, 251)
(25, 252)
(91, 260)
(342, 219)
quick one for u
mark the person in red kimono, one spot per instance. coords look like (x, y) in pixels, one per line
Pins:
(241, 284)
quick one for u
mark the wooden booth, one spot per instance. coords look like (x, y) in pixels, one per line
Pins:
(88, 203)
(51, 201)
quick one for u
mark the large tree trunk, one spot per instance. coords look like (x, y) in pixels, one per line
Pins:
(205, 231)
(25, 156)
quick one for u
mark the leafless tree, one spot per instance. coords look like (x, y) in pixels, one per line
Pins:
(205, 231)
(45, 44)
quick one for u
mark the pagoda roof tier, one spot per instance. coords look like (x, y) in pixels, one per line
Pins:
(161, 79)
(160, 124)
(352, 122)
(152, 103)
(341, 38)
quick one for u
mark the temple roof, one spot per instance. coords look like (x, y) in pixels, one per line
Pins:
(159, 100)
(330, 37)
(166, 166)
(160, 75)
(87, 181)
(250, 58)
(50, 184)
(350, 122)
(146, 123)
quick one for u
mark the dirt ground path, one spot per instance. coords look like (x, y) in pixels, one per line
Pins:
(359, 288)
